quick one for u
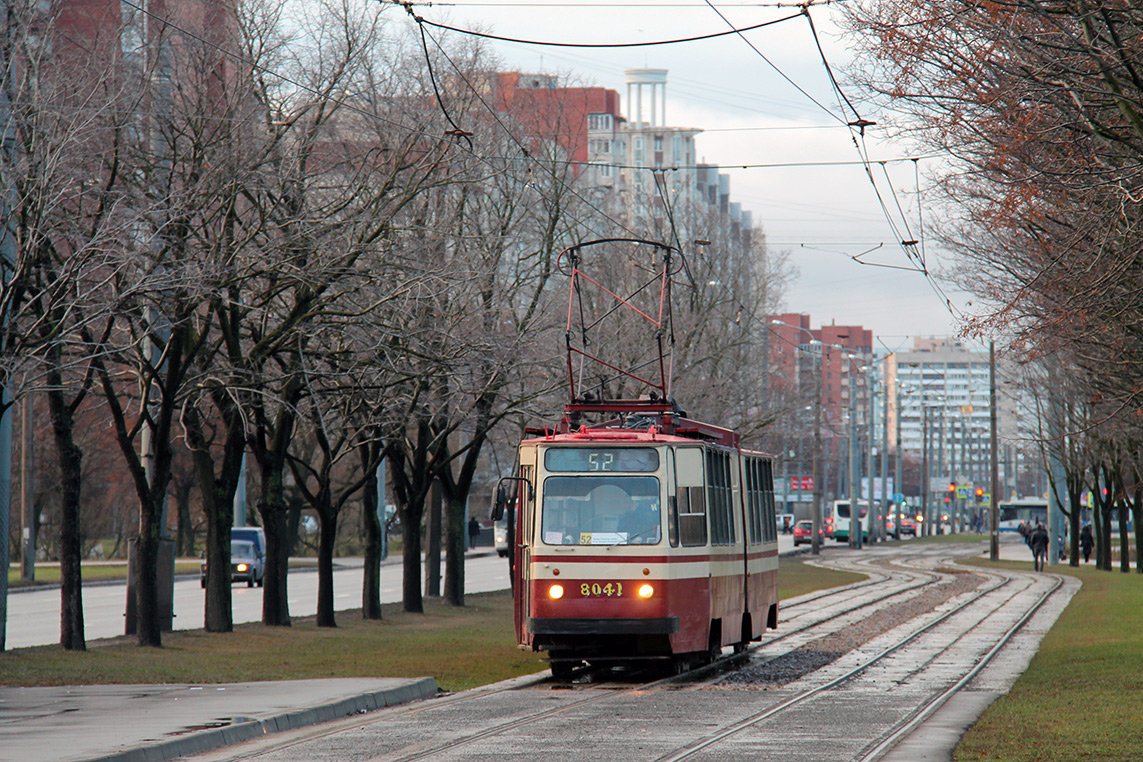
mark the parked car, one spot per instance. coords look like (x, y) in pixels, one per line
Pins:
(804, 533)
(908, 526)
(247, 564)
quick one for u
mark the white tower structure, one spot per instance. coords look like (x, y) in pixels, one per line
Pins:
(653, 84)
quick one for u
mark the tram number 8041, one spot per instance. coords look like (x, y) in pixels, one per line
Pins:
(604, 589)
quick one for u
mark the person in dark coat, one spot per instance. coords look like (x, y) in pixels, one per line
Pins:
(1086, 541)
(473, 531)
(1038, 541)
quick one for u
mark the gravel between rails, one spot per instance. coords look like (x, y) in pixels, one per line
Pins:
(818, 653)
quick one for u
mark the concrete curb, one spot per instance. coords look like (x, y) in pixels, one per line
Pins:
(243, 729)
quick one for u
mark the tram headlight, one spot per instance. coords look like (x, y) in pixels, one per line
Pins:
(645, 591)
(555, 592)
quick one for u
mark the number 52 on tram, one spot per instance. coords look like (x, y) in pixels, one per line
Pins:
(639, 545)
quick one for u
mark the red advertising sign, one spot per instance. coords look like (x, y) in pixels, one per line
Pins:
(801, 484)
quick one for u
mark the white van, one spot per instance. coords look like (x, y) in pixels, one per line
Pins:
(256, 535)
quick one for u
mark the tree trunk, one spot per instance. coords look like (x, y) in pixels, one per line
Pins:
(1136, 517)
(411, 518)
(1124, 539)
(219, 614)
(70, 458)
(275, 603)
(184, 537)
(147, 629)
(327, 537)
(456, 541)
(217, 494)
(372, 516)
(433, 544)
(1074, 526)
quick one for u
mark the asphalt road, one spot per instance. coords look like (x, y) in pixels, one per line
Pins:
(34, 616)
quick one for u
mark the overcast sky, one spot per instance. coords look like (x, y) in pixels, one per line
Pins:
(752, 114)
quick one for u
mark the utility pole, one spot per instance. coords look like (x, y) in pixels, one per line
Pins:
(7, 265)
(816, 508)
(897, 473)
(28, 494)
(854, 509)
(872, 399)
(885, 465)
(994, 480)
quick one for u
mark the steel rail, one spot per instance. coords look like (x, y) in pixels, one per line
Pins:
(924, 712)
(754, 719)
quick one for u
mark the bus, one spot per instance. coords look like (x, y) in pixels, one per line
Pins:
(841, 520)
(1028, 510)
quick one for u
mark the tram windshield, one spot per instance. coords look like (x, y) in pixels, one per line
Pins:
(601, 510)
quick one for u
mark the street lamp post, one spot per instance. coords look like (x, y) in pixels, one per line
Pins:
(897, 474)
(924, 480)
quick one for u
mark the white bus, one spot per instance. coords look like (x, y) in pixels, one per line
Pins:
(841, 520)
(1028, 510)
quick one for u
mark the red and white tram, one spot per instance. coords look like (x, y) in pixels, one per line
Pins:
(645, 537)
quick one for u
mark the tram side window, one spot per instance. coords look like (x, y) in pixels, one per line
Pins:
(769, 514)
(691, 498)
(719, 498)
(754, 498)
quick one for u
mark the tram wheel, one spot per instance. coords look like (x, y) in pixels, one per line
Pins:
(563, 670)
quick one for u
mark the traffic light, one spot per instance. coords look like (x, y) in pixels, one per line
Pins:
(952, 487)
(979, 492)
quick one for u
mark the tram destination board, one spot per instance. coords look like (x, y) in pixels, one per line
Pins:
(635, 459)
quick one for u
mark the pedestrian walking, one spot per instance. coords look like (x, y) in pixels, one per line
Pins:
(1038, 541)
(1086, 542)
(473, 531)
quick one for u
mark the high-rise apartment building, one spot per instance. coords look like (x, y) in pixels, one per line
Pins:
(941, 390)
(632, 161)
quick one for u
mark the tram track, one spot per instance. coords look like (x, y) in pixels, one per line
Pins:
(914, 580)
(911, 578)
(877, 748)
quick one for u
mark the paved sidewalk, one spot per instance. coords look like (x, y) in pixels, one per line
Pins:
(153, 723)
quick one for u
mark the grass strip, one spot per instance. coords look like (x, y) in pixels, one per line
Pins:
(49, 574)
(461, 647)
(1078, 699)
(796, 577)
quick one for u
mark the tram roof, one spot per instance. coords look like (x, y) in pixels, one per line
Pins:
(633, 421)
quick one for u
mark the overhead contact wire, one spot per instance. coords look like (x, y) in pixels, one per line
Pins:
(552, 44)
